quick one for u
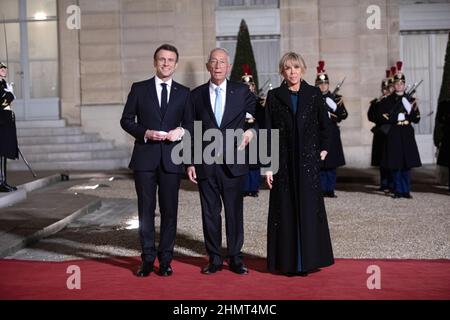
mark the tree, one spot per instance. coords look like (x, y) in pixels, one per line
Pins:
(244, 55)
(444, 94)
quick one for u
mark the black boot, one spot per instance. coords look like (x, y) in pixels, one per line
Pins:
(4, 186)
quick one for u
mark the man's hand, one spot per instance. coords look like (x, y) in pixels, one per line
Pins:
(190, 171)
(269, 179)
(246, 138)
(323, 154)
(175, 134)
(155, 135)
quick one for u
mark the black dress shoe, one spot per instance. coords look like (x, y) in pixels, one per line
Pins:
(4, 187)
(397, 195)
(407, 195)
(12, 188)
(165, 270)
(239, 268)
(211, 268)
(145, 269)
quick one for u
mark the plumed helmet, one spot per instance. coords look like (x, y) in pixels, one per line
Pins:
(399, 75)
(322, 76)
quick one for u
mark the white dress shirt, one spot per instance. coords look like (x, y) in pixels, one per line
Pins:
(158, 85)
(223, 92)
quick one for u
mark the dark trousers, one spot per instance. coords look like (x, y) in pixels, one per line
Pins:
(168, 184)
(386, 180)
(252, 181)
(402, 181)
(328, 179)
(2, 170)
(222, 186)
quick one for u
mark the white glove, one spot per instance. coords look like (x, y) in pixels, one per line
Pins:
(329, 114)
(10, 88)
(331, 103)
(406, 104)
(401, 117)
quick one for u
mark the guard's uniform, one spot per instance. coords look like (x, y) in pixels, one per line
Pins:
(397, 113)
(8, 135)
(335, 157)
(379, 138)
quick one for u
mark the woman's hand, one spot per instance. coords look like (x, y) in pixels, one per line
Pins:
(269, 179)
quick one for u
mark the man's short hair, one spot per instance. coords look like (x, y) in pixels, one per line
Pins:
(167, 47)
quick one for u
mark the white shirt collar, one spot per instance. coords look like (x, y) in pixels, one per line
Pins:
(158, 81)
(223, 86)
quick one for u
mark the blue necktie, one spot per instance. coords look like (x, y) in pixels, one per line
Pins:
(218, 106)
(164, 98)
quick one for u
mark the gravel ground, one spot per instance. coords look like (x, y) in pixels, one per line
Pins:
(363, 223)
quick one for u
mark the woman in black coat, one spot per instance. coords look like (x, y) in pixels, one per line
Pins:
(444, 148)
(298, 239)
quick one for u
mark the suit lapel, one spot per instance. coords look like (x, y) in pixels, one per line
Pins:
(230, 107)
(207, 102)
(172, 98)
(153, 98)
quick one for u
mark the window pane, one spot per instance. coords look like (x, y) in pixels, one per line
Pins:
(267, 54)
(231, 3)
(9, 9)
(272, 3)
(14, 66)
(37, 9)
(43, 55)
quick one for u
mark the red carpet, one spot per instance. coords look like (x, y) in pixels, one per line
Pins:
(113, 279)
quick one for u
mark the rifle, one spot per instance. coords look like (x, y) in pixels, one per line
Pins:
(336, 90)
(408, 94)
(399, 106)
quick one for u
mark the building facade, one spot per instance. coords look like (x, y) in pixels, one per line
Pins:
(79, 65)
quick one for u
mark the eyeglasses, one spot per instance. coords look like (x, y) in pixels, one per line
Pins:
(215, 62)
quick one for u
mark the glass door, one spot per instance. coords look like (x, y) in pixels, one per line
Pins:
(29, 44)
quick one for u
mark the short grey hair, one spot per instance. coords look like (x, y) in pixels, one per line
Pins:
(217, 49)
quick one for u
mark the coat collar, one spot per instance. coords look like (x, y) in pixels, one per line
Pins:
(305, 91)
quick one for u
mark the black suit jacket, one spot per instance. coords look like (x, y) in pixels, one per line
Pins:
(239, 101)
(143, 105)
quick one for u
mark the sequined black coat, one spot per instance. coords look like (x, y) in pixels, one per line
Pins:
(8, 135)
(297, 216)
(444, 149)
(335, 157)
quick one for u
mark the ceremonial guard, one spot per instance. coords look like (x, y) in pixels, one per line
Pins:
(379, 138)
(8, 135)
(396, 114)
(336, 113)
(253, 179)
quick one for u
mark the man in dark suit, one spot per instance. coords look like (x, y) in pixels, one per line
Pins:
(162, 108)
(222, 105)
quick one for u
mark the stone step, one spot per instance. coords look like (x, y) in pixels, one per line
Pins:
(40, 123)
(34, 132)
(74, 147)
(64, 139)
(78, 155)
(99, 164)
